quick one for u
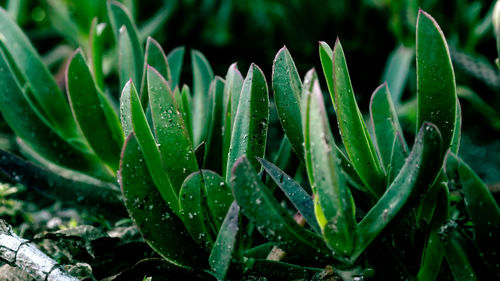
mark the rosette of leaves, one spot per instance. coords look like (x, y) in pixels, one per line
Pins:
(374, 205)
(72, 140)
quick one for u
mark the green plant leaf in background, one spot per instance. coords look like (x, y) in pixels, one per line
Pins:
(387, 130)
(202, 77)
(326, 57)
(252, 117)
(96, 51)
(130, 48)
(45, 93)
(436, 93)
(159, 225)
(93, 113)
(175, 60)
(287, 88)
(156, 58)
(173, 139)
(353, 130)
(482, 208)
(34, 130)
(332, 196)
(215, 141)
(397, 70)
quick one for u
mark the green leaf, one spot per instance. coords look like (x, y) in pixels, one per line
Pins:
(397, 70)
(271, 219)
(287, 88)
(252, 116)
(126, 110)
(215, 141)
(96, 53)
(45, 92)
(34, 130)
(156, 58)
(222, 253)
(202, 77)
(331, 192)
(172, 136)
(130, 48)
(175, 59)
(482, 208)
(232, 90)
(159, 225)
(218, 196)
(433, 253)
(432, 258)
(326, 57)
(93, 113)
(454, 250)
(386, 128)
(480, 105)
(457, 131)
(302, 201)
(186, 109)
(414, 179)
(355, 136)
(192, 212)
(436, 94)
(150, 150)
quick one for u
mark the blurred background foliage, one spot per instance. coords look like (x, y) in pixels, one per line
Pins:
(377, 34)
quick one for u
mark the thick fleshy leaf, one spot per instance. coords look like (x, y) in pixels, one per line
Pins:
(150, 150)
(192, 212)
(396, 71)
(133, 57)
(436, 93)
(186, 109)
(414, 179)
(93, 113)
(223, 251)
(287, 88)
(159, 225)
(96, 42)
(125, 110)
(232, 90)
(457, 132)
(250, 132)
(386, 127)
(215, 141)
(482, 208)
(72, 188)
(355, 136)
(302, 201)
(175, 59)
(454, 250)
(218, 196)
(326, 57)
(271, 219)
(44, 90)
(126, 64)
(433, 253)
(202, 77)
(156, 58)
(172, 137)
(25, 121)
(332, 194)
